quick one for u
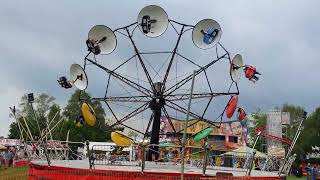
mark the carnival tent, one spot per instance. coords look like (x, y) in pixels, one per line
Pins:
(2, 147)
(245, 151)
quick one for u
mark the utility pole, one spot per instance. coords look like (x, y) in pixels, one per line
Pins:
(185, 128)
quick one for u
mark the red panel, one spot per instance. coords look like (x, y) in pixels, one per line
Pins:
(231, 107)
(21, 163)
(37, 172)
(241, 114)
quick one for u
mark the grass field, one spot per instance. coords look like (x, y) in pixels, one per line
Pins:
(295, 178)
(14, 173)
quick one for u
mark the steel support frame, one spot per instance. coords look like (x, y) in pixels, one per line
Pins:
(167, 94)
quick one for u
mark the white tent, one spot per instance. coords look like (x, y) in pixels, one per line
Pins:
(2, 147)
(245, 151)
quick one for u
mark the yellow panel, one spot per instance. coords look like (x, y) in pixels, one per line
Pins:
(121, 139)
(88, 114)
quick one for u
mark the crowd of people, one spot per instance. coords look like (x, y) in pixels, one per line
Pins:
(303, 169)
(7, 156)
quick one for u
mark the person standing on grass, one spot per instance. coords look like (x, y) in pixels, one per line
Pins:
(1, 159)
(6, 157)
(11, 155)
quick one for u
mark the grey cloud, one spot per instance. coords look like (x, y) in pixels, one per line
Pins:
(39, 41)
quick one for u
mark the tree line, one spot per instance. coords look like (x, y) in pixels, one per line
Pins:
(47, 113)
(310, 134)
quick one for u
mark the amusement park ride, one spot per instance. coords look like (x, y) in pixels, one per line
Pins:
(36, 146)
(157, 95)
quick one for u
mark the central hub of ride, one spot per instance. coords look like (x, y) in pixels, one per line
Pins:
(157, 101)
(156, 104)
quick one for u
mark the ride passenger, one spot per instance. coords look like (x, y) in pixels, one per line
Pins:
(251, 73)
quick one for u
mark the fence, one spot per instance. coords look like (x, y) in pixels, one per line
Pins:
(169, 157)
(201, 159)
(111, 155)
(131, 163)
(136, 155)
(55, 150)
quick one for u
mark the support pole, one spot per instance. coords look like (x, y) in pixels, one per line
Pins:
(67, 146)
(143, 159)
(185, 129)
(25, 122)
(205, 158)
(13, 111)
(45, 134)
(252, 162)
(293, 143)
(35, 117)
(253, 153)
(44, 144)
(88, 154)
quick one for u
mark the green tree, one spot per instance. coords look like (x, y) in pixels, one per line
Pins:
(35, 119)
(86, 132)
(296, 114)
(310, 135)
(56, 119)
(14, 131)
(289, 131)
(260, 120)
(49, 113)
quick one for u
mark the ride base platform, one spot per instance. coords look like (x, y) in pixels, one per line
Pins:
(79, 169)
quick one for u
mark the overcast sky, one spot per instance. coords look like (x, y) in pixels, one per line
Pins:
(40, 39)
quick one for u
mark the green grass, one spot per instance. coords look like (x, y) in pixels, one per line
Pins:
(21, 173)
(295, 178)
(14, 173)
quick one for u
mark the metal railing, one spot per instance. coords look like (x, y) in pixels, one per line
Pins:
(110, 155)
(167, 157)
(170, 157)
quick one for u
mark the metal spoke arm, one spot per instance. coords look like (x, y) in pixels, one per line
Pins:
(170, 122)
(125, 62)
(133, 113)
(176, 107)
(182, 24)
(189, 60)
(127, 127)
(123, 119)
(114, 115)
(171, 60)
(123, 98)
(181, 97)
(148, 126)
(141, 61)
(188, 78)
(125, 27)
(134, 85)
